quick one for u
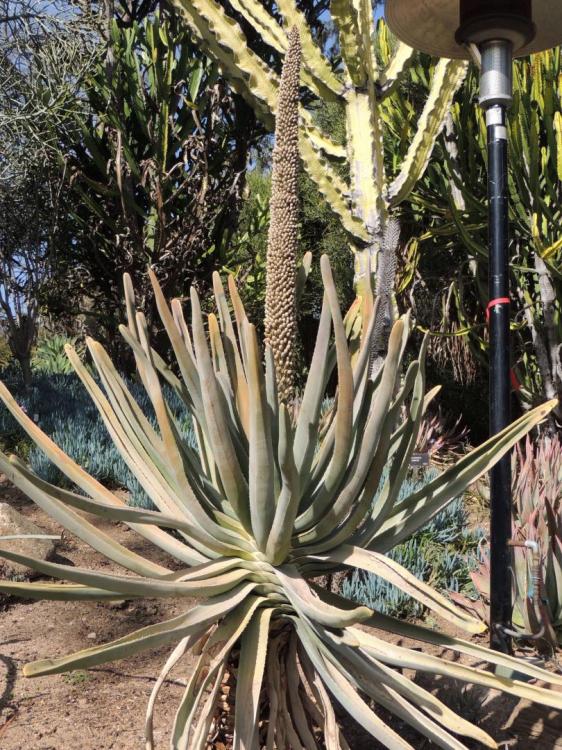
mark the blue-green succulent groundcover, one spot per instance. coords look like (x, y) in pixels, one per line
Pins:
(62, 408)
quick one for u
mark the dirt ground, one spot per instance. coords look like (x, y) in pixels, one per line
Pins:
(104, 707)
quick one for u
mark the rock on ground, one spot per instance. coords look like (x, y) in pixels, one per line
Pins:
(11, 523)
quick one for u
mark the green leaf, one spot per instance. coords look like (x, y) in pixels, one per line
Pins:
(197, 620)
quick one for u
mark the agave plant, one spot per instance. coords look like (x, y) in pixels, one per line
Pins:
(49, 356)
(258, 510)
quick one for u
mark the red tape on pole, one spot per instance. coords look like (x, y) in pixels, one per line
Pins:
(494, 302)
(515, 384)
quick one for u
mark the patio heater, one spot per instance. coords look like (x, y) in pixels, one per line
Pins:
(492, 33)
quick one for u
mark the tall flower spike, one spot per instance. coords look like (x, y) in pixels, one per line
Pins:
(281, 270)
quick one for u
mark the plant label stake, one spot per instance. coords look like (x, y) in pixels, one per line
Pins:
(491, 32)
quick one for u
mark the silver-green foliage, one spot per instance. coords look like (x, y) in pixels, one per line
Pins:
(442, 553)
(61, 407)
(49, 356)
(258, 513)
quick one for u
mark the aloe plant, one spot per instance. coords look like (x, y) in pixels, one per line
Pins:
(442, 553)
(259, 509)
(49, 356)
(368, 74)
(537, 583)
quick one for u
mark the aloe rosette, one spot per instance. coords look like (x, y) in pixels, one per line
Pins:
(537, 579)
(266, 502)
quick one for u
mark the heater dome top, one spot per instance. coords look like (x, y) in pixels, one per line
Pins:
(439, 27)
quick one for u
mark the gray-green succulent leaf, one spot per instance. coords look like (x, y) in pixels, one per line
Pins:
(270, 497)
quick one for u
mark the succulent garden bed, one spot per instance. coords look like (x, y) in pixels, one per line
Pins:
(246, 557)
(104, 708)
(297, 652)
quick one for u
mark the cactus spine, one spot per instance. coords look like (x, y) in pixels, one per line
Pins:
(281, 277)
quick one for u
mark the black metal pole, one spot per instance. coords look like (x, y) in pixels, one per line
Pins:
(500, 383)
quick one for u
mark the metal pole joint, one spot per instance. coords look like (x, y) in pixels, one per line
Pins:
(496, 76)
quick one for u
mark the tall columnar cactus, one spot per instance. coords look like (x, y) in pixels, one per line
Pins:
(363, 200)
(281, 275)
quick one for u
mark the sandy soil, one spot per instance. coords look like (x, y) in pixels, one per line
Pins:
(104, 707)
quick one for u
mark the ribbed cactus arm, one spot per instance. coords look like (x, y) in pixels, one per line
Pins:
(558, 134)
(315, 73)
(318, 138)
(332, 187)
(262, 22)
(448, 76)
(397, 64)
(365, 153)
(313, 60)
(223, 39)
(346, 14)
(365, 156)
(394, 58)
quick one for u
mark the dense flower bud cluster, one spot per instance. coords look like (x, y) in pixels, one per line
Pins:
(280, 299)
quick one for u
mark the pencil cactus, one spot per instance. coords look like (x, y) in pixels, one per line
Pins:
(363, 201)
(259, 509)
